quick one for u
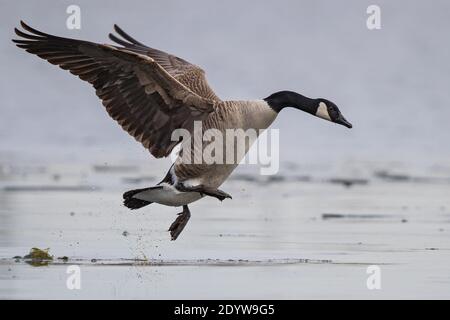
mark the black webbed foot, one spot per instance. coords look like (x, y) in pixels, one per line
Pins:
(219, 194)
(180, 222)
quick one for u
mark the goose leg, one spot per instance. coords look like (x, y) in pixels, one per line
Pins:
(180, 222)
(203, 190)
(216, 193)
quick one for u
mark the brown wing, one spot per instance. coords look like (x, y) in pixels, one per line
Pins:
(187, 73)
(136, 91)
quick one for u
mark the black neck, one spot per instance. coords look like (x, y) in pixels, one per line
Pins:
(284, 99)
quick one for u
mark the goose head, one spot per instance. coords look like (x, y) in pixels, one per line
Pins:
(320, 107)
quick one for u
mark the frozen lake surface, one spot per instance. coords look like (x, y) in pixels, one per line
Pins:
(344, 199)
(313, 237)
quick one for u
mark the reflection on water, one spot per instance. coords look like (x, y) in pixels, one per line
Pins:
(343, 219)
(163, 263)
(376, 194)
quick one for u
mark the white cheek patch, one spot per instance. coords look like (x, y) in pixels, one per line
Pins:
(322, 112)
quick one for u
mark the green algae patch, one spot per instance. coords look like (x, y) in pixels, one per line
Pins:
(38, 257)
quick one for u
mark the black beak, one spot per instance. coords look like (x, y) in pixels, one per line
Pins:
(343, 121)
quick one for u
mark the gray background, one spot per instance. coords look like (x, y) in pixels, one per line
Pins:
(392, 84)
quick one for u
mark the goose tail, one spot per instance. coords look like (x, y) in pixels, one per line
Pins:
(133, 203)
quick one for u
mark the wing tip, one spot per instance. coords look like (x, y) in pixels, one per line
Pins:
(23, 24)
(30, 33)
(126, 36)
(29, 29)
(24, 35)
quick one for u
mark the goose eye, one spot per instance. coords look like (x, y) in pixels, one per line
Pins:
(333, 112)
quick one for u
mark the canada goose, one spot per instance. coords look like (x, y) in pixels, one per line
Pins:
(151, 93)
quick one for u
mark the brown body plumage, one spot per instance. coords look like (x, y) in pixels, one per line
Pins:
(150, 94)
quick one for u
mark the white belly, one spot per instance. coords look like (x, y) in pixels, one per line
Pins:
(168, 195)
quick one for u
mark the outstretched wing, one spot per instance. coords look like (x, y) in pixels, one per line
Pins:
(187, 73)
(136, 91)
